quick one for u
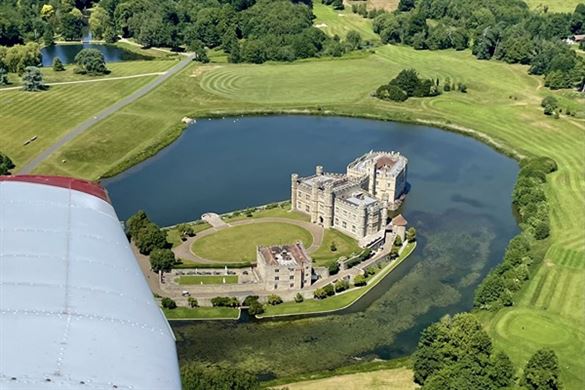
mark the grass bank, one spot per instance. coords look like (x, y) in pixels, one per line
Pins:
(344, 245)
(202, 313)
(207, 279)
(339, 301)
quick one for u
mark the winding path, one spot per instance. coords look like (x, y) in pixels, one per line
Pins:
(183, 251)
(82, 127)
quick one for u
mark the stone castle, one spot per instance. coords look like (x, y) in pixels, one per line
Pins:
(357, 202)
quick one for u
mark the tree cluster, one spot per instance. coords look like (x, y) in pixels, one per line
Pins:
(542, 372)
(407, 84)
(16, 58)
(254, 305)
(195, 376)
(90, 62)
(225, 301)
(500, 29)
(456, 353)
(146, 235)
(498, 288)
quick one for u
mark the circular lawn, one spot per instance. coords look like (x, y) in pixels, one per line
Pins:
(238, 243)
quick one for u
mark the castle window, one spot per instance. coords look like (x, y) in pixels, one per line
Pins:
(292, 285)
(276, 286)
(291, 277)
(307, 208)
(277, 270)
(344, 224)
(276, 278)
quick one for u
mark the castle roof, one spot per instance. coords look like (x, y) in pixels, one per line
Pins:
(285, 255)
(399, 220)
(385, 161)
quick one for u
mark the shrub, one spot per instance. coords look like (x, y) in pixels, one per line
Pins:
(391, 92)
(359, 280)
(410, 234)
(168, 303)
(250, 299)
(299, 298)
(333, 268)
(398, 241)
(225, 301)
(462, 88)
(341, 285)
(192, 302)
(550, 105)
(58, 65)
(333, 247)
(6, 164)
(255, 308)
(320, 293)
(91, 62)
(274, 300)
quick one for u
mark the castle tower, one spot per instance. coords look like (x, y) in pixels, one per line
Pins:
(319, 170)
(294, 182)
(362, 220)
(384, 221)
(372, 179)
(315, 202)
(328, 206)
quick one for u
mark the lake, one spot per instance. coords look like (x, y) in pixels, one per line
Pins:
(67, 52)
(459, 202)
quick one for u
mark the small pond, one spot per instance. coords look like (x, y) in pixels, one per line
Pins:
(460, 204)
(67, 52)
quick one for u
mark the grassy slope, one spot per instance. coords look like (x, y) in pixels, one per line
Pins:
(554, 5)
(238, 243)
(345, 245)
(206, 279)
(341, 22)
(502, 104)
(50, 114)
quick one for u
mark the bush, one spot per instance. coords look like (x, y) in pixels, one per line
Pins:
(91, 62)
(195, 376)
(333, 247)
(359, 280)
(410, 235)
(250, 299)
(6, 164)
(391, 92)
(192, 302)
(58, 65)
(168, 303)
(255, 308)
(274, 300)
(299, 298)
(550, 105)
(333, 268)
(225, 302)
(341, 285)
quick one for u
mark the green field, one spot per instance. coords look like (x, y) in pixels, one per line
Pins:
(340, 23)
(346, 246)
(203, 313)
(238, 243)
(502, 108)
(207, 279)
(174, 237)
(49, 114)
(554, 5)
(339, 301)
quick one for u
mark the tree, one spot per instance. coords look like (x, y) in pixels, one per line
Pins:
(48, 35)
(196, 46)
(502, 370)
(255, 308)
(149, 238)
(274, 300)
(6, 164)
(195, 376)
(333, 247)
(407, 80)
(341, 285)
(391, 92)
(58, 65)
(299, 298)
(406, 5)
(91, 62)
(99, 22)
(72, 25)
(550, 105)
(354, 40)
(185, 230)
(411, 234)
(192, 302)
(162, 260)
(398, 241)
(32, 79)
(542, 371)
(3, 77)
(136, 222)
(168, 303)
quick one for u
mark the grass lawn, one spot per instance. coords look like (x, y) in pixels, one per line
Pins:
(207, 279)
(554, 5)
(346, 246)
(396, 378)
(502, 108)
(278, 212)
(238, 243)
(204, 313)
(338, 301)
(341, 22)
(50, 114)
(154, 53)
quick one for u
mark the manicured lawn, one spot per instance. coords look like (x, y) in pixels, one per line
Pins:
(279, 212)
(335, 22)
(186, 313)
(207, 279)
(502, 107)
(238, 243)
(338, 301)
(346, 246)
(554, 5)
